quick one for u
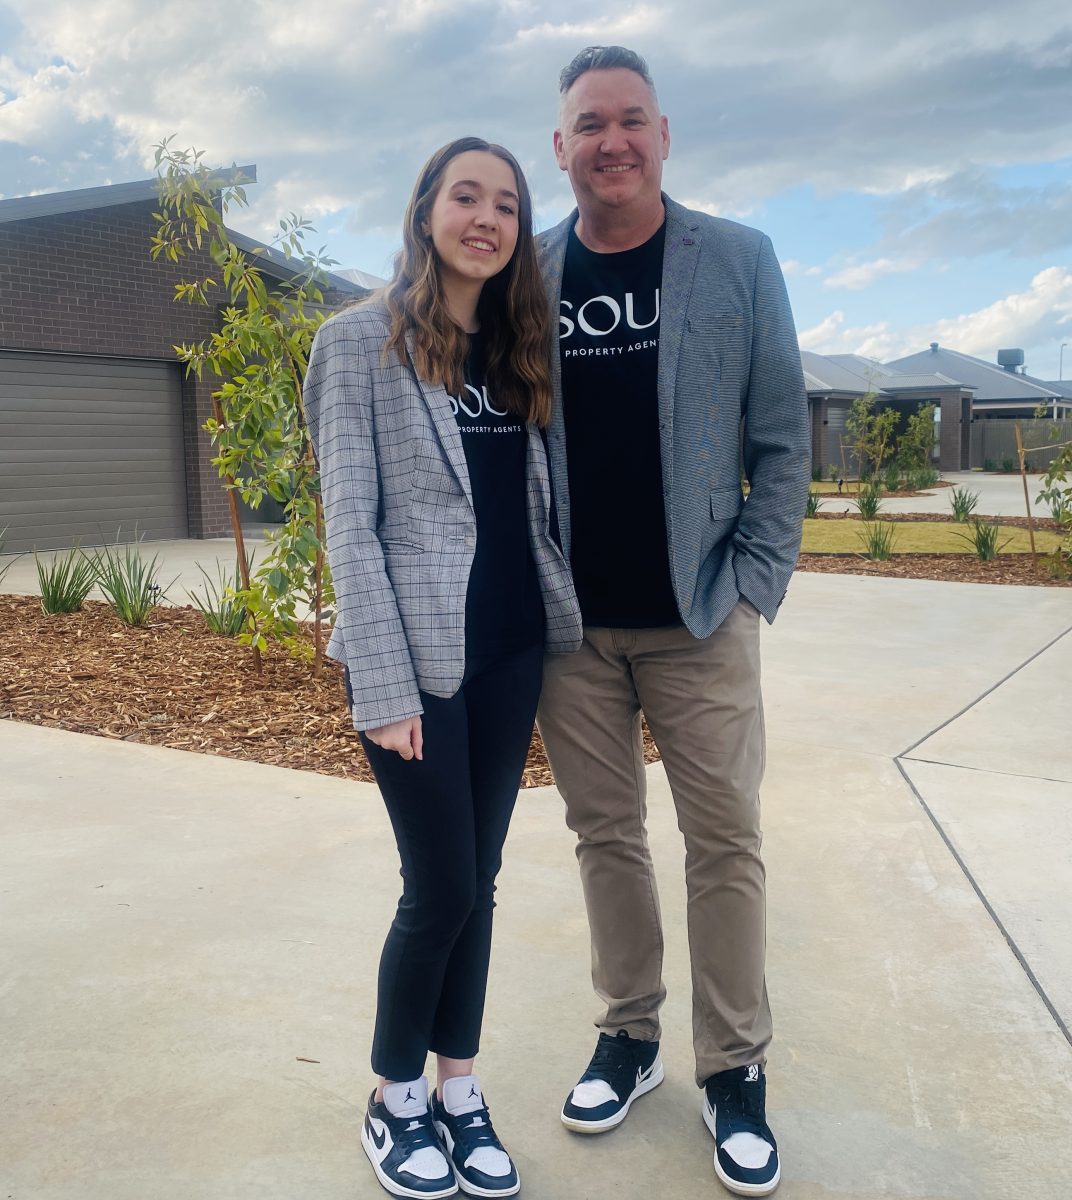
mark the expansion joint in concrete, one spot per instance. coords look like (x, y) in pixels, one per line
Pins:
(983, 695)
(903, 757)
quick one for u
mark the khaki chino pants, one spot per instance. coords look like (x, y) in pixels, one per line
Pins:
(703, 706)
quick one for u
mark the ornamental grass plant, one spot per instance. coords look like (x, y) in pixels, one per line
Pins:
(963, 502)
(984, 540)
(66, 581)
(224, 614)
(129, 583)
(878, 540)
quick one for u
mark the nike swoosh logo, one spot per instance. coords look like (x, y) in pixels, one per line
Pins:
(378, 1139)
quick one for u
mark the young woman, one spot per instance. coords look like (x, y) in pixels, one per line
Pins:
(424, 405)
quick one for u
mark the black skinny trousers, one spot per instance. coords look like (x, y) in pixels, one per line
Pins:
(450, 814)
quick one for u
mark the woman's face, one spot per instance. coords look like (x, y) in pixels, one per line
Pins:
(473, 221)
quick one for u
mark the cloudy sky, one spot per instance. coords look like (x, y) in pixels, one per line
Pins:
(912, 161)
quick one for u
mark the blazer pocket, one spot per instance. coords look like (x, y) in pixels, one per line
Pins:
(716, 323)
(725, 504)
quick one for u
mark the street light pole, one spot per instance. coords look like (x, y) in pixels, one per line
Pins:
(1061, 362)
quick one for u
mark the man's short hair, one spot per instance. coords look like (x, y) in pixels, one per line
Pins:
(603, 58)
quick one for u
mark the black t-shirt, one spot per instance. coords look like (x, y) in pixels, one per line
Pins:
(609, 345)
(503, 605)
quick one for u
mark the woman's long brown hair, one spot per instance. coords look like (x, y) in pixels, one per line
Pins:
(513, 309)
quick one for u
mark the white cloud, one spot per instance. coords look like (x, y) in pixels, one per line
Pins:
(633, 23)
(862, 275)
(831, 336)
(1040, 315)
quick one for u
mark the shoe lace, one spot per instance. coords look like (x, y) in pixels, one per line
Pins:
(419, 1134)
(743, 1106)
(473, 1130)
(610, 1053)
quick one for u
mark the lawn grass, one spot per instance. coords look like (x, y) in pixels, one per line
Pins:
(916, 537)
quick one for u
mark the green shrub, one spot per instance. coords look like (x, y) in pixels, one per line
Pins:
(891, 477)
(1056, 493)
(963, 502)
(869, 501)
(816, 474)
(66, 581)
(989, 464)
(833, 473)
(222, 612)
(878, 540)
(815, 502)
(129, 583)
(984, 540)
(1008, 464)
(921, 478)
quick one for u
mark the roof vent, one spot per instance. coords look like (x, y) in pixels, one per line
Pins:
(934, 347)
(1010, 360)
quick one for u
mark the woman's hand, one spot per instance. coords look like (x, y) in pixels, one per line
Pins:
(403, 736)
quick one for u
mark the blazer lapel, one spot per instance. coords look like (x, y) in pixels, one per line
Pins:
(681, 253)
(446, 426)
(552, 254)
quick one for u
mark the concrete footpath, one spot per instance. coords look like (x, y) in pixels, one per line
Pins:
(187, 967)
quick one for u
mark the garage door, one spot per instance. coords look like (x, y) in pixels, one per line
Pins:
(90, 448)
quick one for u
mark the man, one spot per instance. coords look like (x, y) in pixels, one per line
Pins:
(677, 364)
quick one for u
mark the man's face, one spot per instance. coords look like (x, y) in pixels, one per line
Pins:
(613, 141)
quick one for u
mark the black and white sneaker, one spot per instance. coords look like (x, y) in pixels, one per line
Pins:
(735, 1110)
(621, 1069)
(481, 1164)
(400, 1140)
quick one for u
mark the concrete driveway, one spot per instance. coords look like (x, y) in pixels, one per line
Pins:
(999, 495)
(188, 960)
(178, 562)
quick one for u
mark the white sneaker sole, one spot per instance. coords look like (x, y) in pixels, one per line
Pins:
(732, 1185)
(648, 1085)
(471, 1189)
(398, 1189)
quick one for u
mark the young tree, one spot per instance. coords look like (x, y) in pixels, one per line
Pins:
(916, 444)
(870, 433)
(260, 352)
(1056, 493)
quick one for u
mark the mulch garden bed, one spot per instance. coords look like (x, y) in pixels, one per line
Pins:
(958, 568)
(850, 513)
(175, 684)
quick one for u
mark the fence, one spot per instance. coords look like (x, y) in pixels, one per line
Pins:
(993, 442)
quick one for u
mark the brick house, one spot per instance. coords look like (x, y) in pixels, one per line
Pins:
(834, 381)
(100, 428)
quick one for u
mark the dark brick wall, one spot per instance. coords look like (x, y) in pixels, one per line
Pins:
(83, 283)
(954, 431)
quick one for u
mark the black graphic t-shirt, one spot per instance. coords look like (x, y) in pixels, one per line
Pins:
(609, 344)
(503, 606)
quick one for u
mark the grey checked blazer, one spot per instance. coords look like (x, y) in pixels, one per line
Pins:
(400, 522)
(731, 389)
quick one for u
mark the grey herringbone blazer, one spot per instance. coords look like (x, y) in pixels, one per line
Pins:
(731, 390)
(401, 529)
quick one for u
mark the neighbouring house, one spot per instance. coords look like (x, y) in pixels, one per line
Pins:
(1062, 387)
(834, 381)
(1001, 390)
(100, 428)
(1002, 394)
